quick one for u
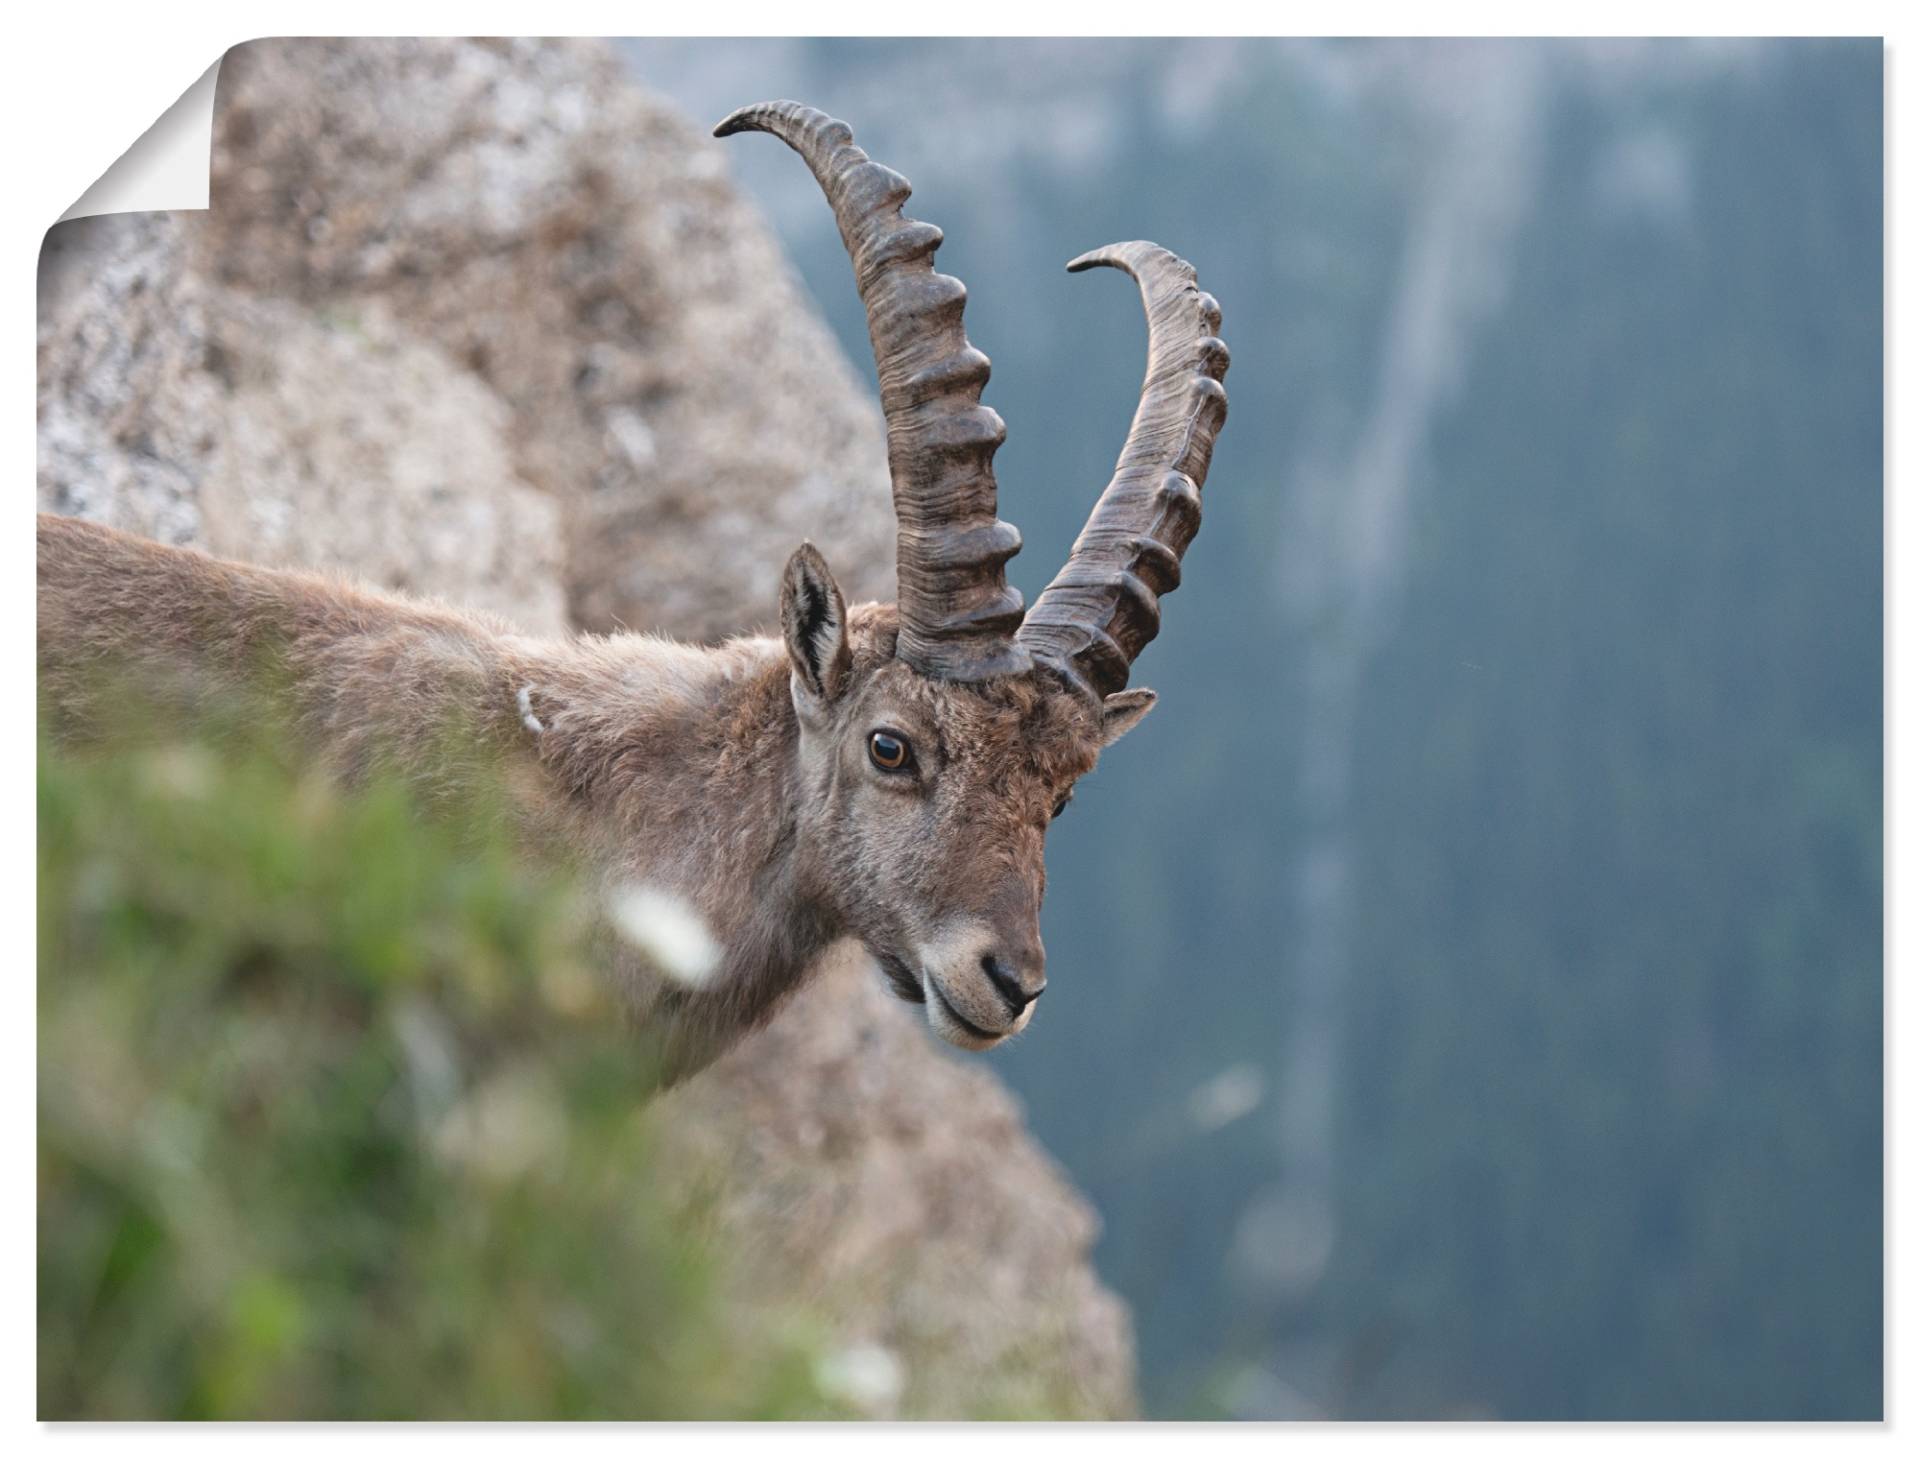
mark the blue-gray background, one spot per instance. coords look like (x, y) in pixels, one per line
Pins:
(1467, 987)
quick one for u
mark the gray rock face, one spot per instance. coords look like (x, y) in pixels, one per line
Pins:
(189, 412)
(482, 320)
(127, 409)
(895, 1190)
(579, 248)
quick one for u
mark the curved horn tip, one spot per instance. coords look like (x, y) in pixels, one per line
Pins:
(1128, 257)
(1108, 257)
(753, 118)
(737, 120)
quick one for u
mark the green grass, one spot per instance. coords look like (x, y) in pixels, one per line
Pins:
(337, 1121)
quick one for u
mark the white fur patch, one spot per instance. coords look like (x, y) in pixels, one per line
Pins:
(532, 720)
(668, 930)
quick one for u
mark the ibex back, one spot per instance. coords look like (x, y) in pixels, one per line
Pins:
(883, 774)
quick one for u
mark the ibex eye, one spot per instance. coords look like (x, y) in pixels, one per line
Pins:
(1061, 804)
(889, 751)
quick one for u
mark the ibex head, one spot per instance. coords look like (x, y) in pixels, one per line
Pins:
(940, 737)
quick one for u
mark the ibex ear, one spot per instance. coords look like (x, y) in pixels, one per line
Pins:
(813, 617)
(1120, 712)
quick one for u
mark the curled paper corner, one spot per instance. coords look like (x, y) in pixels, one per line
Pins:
(168, 167)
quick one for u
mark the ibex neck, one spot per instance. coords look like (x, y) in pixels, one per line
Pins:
(683, 764)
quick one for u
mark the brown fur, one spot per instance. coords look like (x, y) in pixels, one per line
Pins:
(736, 777)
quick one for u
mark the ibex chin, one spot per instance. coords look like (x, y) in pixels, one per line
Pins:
(881, 774)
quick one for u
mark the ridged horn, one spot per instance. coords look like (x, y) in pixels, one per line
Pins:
(1104, 606)
(958, 613)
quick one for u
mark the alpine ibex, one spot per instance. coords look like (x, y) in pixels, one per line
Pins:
(882, 774)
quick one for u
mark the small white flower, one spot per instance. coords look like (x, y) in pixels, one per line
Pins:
(864, 1374)
(180, 772)
(668, 930)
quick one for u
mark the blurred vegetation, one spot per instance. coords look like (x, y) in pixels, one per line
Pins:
(335, 1120)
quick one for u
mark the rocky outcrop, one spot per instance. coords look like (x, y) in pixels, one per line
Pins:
(579, 249)
(894, 1189)
(483, 320)
(276, 433)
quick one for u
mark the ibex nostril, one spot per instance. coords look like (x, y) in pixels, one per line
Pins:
(1003, 976)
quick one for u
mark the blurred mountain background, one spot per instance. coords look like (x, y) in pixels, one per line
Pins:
(1467, 990)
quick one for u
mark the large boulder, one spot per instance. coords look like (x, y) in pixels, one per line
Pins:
(578, 247)
(484, 320)
(273, 432)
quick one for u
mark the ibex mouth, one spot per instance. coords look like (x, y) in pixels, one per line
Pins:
(946, 1020)
(972, 1035)
(905, 982)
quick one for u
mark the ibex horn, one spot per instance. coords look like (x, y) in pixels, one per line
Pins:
(958, 614)
(1104, 607)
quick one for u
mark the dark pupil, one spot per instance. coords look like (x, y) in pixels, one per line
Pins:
(888, 752)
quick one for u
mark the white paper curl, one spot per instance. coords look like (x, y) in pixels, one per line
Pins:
(168, 167)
